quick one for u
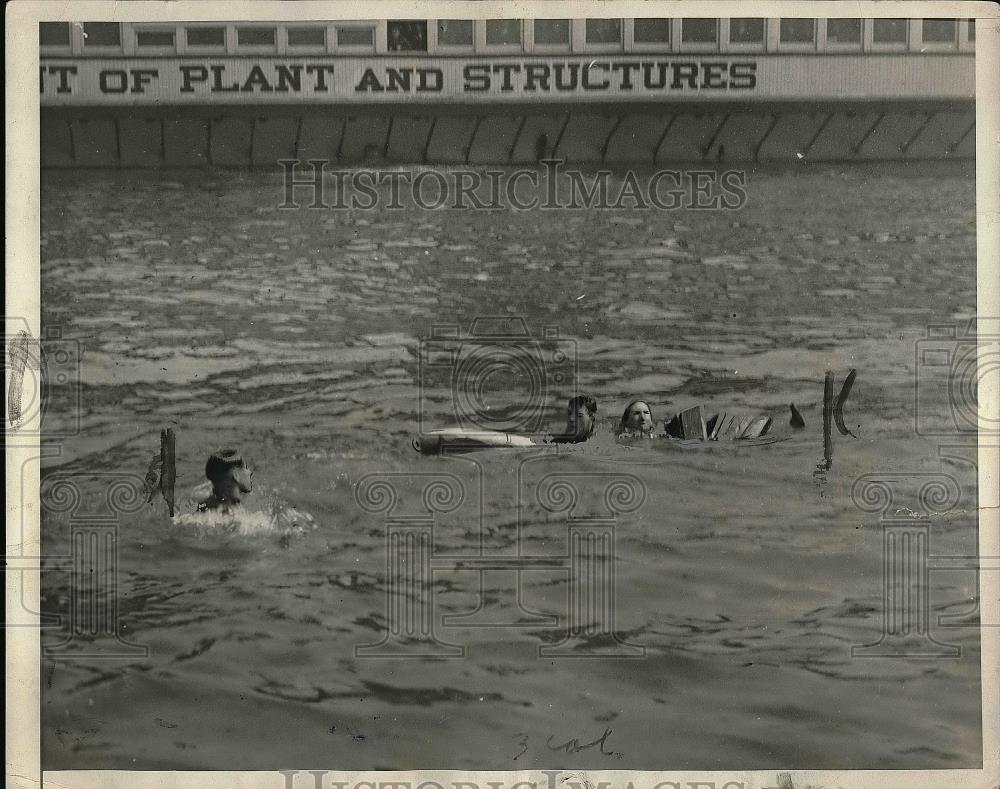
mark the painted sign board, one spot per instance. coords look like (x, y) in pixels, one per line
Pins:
(75, 81)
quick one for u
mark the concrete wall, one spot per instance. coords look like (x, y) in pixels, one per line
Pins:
(942, 135)
(319, 138)
(185, 142)
(790, 136)
(689, 137)
(636, 138)
(140, 142)
(56, 144)
(95, 141)
(274, 139)
(840, 135)
(409, 139)
(890, 135)
(493, 138)
(585, 136)
(538, 134)
(739, 136)
(450, 139)
(365, 139)
(231, 141)
(84, 139)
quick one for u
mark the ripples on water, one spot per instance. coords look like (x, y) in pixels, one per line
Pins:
(294, 335)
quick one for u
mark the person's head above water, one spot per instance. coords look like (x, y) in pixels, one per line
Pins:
(637, 418)
(581, 412)
(229, 475)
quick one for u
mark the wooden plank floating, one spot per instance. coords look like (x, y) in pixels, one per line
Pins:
(692, 423)
(757, 428)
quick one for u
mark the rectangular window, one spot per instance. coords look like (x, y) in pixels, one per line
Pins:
(53, 34)
(255, 36)
(889, 31)
(355, 36)
(939, 31)
(552, 32)
(651, 31)
(406, 36)
(797, 31)
(697, 30)
(102, 34)
(604, 31)
(154, 38)
(746, 30)
(205, 36)
(503, 32)
(307, 37)
(843, 31)
(455, 32)
(972, 30)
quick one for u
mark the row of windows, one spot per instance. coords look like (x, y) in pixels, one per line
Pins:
(511, 34)
(109, 34)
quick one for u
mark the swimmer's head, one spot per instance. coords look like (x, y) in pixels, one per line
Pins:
(229, 475)
(637, 418)
(581, 412)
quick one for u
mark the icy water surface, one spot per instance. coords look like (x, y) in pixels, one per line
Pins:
(293, 335)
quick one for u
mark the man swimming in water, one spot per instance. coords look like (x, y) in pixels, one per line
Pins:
(581, 413)
(230, 479)
(636, 421)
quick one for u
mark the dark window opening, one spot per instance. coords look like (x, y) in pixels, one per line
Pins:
(306, 37)
(651, 31)
(503, 32)
(53, 34)
(154, 38)
(552, 31)
(843, 31)
(355, 36)
(939, 31)
(889, 31)
(797, 31)
(699, 31)
(604, 31)
(255, 36)
(102, 34)
(746, 30)
(205, 36)
(407, 36)
(455, 32)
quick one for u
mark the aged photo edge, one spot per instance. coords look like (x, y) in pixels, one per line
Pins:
(22, 714)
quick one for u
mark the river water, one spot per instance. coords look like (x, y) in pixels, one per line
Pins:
(742, 578)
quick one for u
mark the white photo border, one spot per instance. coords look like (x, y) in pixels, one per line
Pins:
(22, 764)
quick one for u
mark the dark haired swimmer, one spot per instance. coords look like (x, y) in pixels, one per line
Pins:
(581, 413)
(230, 479)
(636, 421)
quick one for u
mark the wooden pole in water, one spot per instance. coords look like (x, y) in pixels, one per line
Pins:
(168, 469)
(827, 462)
